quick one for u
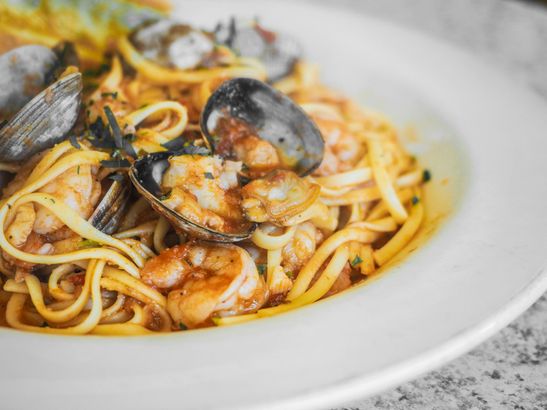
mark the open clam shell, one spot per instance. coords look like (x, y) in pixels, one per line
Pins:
(24, 72)
(42, 122)
(109, 213)
(146, 175)
(172, 44)
(277, 51)
(274, 117)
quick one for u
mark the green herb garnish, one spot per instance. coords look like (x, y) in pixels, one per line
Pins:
(88, 243)
(165, 196)
(116, 153)
(261, 267)
(114, 94)
(415, 200)
(426, 176)
(356, 261)
(182, 326)
(208, 175)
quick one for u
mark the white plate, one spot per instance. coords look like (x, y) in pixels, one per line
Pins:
(481, 265)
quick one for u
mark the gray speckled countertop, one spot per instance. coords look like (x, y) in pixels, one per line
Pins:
(509, 371)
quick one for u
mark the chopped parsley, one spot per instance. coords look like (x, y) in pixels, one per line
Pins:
(116, 154)
(182, 326)
(290, 275)
(114, 94)
(88, 243)
(261, 267)
(208, 175)
(78, 170)
(356, 261)
(415, 200)
(426, 176)
(164, 197)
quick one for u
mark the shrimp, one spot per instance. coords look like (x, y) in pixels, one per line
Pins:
(205, 281)
(78, 188)
(203, 190)
(301, 248)
(257, 154)
(21, 226)
(168, 269)
(21, 235)
(279, 198)
(342, 148)
(239, 141)
(35, 244)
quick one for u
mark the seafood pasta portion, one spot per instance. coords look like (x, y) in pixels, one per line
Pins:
(195, 178)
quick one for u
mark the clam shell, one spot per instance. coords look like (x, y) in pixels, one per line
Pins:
(172, 44)
(274, 116)
(109, 213)
(42, 122)
(277, 51)
(24, 72)
(146, 175)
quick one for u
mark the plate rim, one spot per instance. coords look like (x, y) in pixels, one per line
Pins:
(352, 388)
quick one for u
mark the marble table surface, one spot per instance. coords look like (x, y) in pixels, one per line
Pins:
(509, 371)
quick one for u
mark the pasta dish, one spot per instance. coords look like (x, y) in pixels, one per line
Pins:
(166, 178)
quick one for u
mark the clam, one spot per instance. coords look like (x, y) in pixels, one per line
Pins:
(270, 114)
(110, 211)
(277, 51)
(146, 175)
(24, 72)
(33, 123)
(172, 44)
